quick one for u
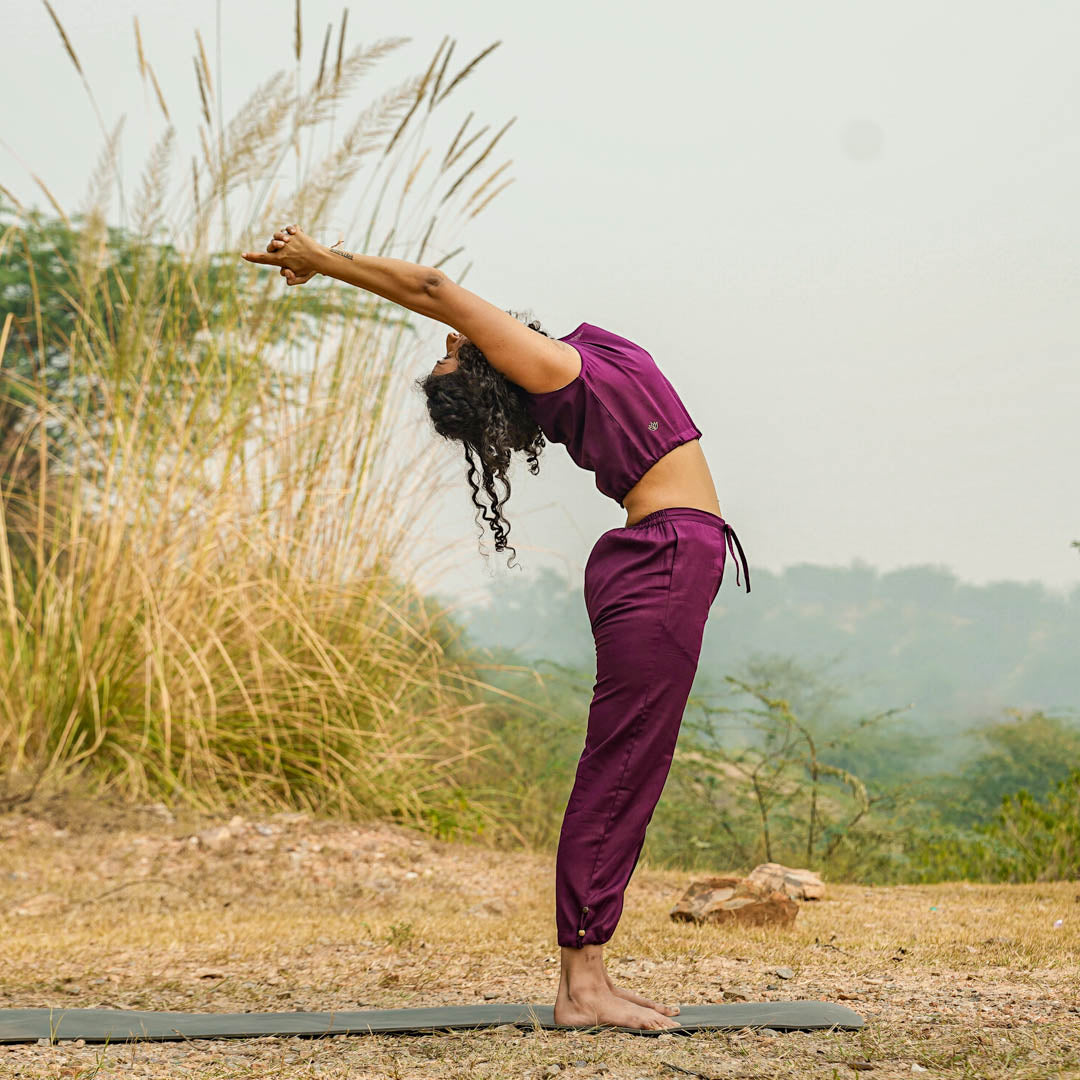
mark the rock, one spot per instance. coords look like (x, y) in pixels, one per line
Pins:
(490, 997)
(783, 972)
(734, 899)
(773, 986)
(798, 884)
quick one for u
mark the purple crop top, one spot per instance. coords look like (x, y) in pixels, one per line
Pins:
(618, 417)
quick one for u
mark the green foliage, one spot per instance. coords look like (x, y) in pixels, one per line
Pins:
(753, 785)
(1026, 840)
(1030, 752)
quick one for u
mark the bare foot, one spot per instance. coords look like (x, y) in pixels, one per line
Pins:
(637, 999)
(596, 1004)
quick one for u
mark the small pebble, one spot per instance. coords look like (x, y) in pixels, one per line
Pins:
(769, 1031)
(783, 973)
(579, 1064)
(773, 986)
(490, 997)
(552, 1070)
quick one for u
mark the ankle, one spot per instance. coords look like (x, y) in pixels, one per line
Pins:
(584, 989)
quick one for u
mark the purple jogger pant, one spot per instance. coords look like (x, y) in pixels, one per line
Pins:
(648, 590)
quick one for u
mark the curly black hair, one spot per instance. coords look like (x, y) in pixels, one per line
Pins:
(478, 406)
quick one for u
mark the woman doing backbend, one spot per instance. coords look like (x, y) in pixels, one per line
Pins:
(649, 584)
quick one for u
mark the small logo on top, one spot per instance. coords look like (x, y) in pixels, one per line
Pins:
(654, 424)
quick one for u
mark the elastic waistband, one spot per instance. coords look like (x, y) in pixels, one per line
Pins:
(677, 512)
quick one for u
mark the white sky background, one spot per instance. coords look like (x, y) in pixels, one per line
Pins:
(847, 231)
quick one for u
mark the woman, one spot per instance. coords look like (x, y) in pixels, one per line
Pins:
(503, 386)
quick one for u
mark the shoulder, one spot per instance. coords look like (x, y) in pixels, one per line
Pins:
(538, 364)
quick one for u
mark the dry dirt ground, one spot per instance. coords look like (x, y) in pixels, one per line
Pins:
(134, 909)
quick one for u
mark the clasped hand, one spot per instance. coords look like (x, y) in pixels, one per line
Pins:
(292, 250)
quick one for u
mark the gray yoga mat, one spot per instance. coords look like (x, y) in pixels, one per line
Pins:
(119, 1025)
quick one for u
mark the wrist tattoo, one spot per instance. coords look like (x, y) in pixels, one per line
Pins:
(342, 252)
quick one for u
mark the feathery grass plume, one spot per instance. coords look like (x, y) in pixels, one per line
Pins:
(205, 63)
(297, 37)
(322, 59)
(257, 133)
(341, 44)
(139, 48)
(439, 78)
(413, 172)
(202, 91)
(454, 141)
(490, 146)
(86, 83)
(363, 138)
(208, 157)
(209, 591)
(465, 146)
(63, 37)
(49, 195)
(419, 97)
(448, 257)
(89, 263)
(149, 201)
(479, 191)
(14, 200)
(468, 68)
(314, 107)
(157, 90)
(504, 184)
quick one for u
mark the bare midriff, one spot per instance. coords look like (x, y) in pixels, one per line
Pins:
(680, 478)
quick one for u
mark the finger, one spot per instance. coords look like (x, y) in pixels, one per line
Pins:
(259, 257)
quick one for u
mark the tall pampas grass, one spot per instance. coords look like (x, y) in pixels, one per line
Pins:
(207, 497)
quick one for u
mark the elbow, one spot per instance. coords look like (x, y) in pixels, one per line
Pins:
(431, 279)
(433, 294)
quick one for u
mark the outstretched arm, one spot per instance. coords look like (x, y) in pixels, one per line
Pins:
(535, 362)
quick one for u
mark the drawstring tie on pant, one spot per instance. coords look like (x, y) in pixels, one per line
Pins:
(731, 535)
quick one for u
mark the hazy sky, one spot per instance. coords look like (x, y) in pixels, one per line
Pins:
(847, 231)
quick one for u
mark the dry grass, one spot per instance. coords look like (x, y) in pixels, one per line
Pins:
(208, 587)
(108, 907)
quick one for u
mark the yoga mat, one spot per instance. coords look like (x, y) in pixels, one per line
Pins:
(119, 1025)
